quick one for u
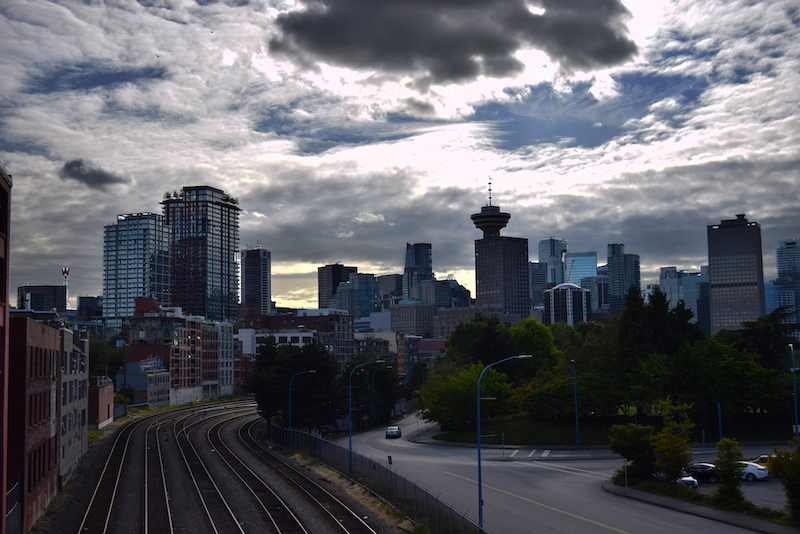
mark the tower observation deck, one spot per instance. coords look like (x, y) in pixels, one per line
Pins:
(490, 220)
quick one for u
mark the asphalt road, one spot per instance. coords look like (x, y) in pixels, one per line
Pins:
(542, 490)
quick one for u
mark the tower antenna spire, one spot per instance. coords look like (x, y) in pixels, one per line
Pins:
(490, 190)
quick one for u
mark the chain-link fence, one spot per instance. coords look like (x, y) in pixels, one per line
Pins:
(413, 501)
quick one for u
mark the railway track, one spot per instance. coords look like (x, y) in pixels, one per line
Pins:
(340, 514)
(179, 492)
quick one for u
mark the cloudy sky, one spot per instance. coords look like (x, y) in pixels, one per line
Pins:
(347, 128)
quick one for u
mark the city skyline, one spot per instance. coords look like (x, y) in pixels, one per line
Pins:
(662, 119)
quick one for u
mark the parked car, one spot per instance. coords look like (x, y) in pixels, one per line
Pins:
(685, 479)
(393, 432)
(704, 472)
(753, 471)
(763, 460)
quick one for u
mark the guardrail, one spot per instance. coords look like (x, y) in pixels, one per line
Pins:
(412, 500)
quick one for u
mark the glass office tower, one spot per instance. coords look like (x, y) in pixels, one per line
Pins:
(736, 274)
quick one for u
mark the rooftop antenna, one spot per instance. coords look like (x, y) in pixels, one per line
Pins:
(490, 190)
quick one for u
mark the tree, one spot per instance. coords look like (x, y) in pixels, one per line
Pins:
(769, 336)
(728, 492)
(316, 397)
(786, 466)
(635, 444)
(105, 359)
(672, 455)
(484, 339)
(532, 337)
(452, 401)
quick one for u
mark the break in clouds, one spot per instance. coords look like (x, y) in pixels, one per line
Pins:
(453, 41)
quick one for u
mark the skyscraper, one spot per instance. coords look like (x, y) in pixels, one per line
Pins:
(538, 272)
(579, 265)
(205, 246)
(788, 256)
(551, 252)
(418, 267)
(623, 272)
(359, 295)
(328, 279)
(136, 264)
(736, 274)
(502, 275)
(257, 279)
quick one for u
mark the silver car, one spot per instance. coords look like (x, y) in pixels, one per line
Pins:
(393, 432)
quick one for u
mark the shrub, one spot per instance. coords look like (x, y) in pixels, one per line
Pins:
(728, 493)
(786, 465)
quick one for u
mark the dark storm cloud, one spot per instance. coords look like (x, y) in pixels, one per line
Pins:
(86, 172)
(447, 41)
(88, 76)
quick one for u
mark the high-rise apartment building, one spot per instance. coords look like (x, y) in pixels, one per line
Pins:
(257, 279)
(328, 279)
(136, 264)
(623, 272)
(5, 229)
(736, 273)
(418, 267)
(551, 252)
(205, 247)
(502, 275)
(567, 303)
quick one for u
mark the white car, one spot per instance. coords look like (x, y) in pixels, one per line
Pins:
(753, 471)
(393, 432)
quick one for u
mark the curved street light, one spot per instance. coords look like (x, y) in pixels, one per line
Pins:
(350, 409)
(290, 392)
(373, 389)
(794, 381)
(575, 388)
(480, 483)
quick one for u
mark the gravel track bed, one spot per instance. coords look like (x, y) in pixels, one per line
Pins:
(65, 513)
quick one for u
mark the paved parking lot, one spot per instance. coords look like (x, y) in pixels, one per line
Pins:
(767, 492)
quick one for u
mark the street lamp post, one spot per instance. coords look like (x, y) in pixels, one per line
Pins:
(373, 389)
(480, 482)
(290, 392)
(350, 410)
(794, 381)
(575, 388)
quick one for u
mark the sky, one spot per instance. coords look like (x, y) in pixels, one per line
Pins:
(348, 128)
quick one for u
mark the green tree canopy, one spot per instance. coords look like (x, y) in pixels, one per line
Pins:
(452, 401)
(316, 397)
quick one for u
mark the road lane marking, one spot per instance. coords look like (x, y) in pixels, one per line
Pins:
(547, 506)
(514, 453)
(545, 454)
(565, 469)
(531, 453)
